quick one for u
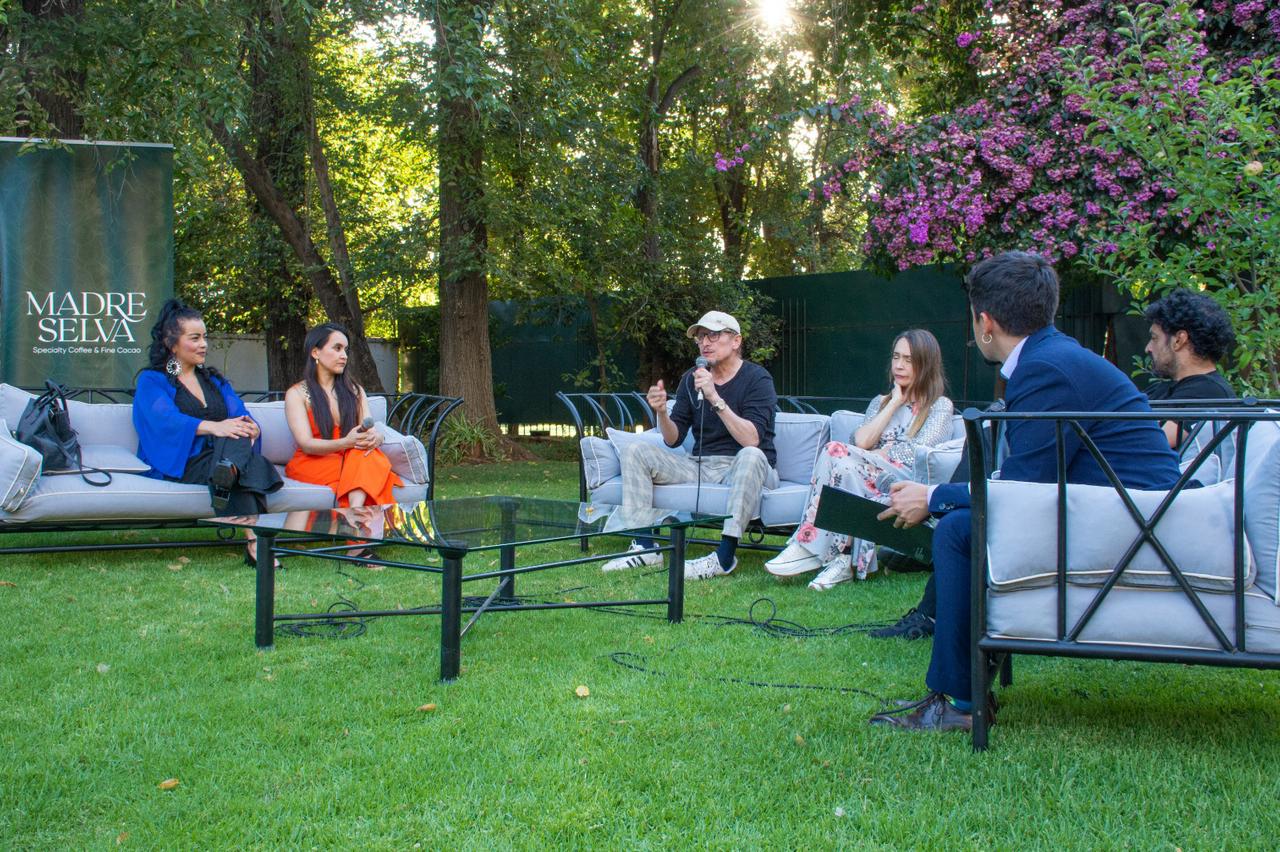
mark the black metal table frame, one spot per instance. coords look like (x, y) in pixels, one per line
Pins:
(452, 577)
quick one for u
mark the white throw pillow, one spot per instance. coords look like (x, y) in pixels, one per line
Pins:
(600, 461)
(621, 439)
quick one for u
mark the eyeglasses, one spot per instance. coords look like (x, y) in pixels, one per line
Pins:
(712, 336)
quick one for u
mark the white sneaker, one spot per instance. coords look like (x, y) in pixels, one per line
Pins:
(706, 567)
(637, 556)
(793, 560)
(838, 570)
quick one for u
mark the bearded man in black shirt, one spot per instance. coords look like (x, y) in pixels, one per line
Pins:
(1190, 334)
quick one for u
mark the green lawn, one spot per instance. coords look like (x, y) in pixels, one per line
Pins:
(121, 670)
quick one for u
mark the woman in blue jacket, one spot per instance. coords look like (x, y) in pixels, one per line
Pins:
(191, 425)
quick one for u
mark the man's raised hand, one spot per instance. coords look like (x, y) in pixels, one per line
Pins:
(657, 398)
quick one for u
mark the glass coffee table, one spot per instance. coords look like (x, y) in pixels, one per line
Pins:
(444, 533)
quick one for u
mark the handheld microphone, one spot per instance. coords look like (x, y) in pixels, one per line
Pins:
(365, 426)
(701, 363)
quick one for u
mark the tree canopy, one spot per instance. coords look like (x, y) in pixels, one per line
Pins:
(636, 159)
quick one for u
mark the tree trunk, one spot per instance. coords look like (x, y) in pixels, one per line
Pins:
(60, 120)
(732, 199)
(650, 153)
(466, 367)
(281, 146)
(296, 235)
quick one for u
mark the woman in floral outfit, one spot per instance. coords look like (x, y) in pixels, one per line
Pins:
(881, 451)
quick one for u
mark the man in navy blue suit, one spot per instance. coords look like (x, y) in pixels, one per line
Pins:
(1013, 298)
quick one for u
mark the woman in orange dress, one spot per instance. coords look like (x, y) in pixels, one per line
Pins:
(326, 411)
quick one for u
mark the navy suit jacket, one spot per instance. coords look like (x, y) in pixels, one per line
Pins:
(1055, 373)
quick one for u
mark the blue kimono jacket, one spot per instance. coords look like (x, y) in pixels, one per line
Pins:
(166, 436)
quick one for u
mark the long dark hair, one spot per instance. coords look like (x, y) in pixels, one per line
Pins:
(928, 382)
(345, 385)
(167, 330)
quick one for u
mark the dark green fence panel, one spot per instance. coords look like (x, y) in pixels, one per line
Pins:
(838, 329)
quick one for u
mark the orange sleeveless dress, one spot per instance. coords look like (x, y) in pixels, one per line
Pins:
(345, 471)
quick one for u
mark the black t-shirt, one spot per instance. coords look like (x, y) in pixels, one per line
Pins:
(1199, 386)
(749, 394)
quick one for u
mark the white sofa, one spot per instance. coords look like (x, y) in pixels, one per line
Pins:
(109, 442)
(797, 439)
(1223, 609)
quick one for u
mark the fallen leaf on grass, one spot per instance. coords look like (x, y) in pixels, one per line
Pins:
(427, 708)
(799, 740)
(649, 639)
(224, 588)
(8, 584)
(582, 761)
(168, 784)
(620, 721)
(103, 668)
(373, 567)
(582, 692)
(175, 566)
(786, 708)
(121, 838)
(839, 812)
(184, 559)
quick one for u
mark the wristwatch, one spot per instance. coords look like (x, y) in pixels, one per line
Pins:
(719, 405)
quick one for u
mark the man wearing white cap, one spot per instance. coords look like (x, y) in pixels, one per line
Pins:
(729, 404)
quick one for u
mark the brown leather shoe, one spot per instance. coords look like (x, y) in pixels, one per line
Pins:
(993, 704)
(931, 713)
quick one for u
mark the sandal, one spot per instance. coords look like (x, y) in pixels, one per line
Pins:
(251, 559)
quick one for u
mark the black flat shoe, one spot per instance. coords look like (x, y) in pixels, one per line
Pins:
(914, 625)
(252, 560)
(224, 477)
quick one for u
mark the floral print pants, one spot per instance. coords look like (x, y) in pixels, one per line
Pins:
(862, 472)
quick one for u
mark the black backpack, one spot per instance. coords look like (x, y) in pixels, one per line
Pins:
(45, 426)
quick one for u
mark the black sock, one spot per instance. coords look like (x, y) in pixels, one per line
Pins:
(728, 547)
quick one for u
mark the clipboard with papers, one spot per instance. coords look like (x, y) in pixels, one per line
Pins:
(848, 514)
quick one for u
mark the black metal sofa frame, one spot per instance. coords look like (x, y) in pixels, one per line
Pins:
(991, 653)
(418, 414)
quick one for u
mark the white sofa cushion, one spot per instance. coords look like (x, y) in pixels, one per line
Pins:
(19, 469)
(936, 464)
(1137, 617)
(111, 458)
(797, 439)
(1262, 504)
(96, 423)
(278, 445)
(1022, 536)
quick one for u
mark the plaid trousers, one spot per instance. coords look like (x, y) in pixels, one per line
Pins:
(748, 473)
